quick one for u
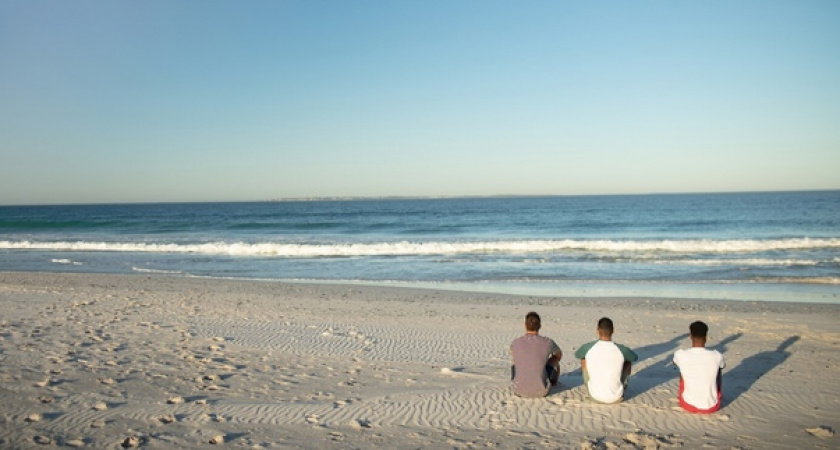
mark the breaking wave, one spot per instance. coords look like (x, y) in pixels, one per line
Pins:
(406, 248)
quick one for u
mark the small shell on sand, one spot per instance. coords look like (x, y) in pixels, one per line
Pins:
(823, 432)
(131, 441)
(168, 419)
(176, 400)
(218, 439)
(43, 440)
(34, 417)
(98, 423)
(360, 424)
(101, 406)
(75, 443)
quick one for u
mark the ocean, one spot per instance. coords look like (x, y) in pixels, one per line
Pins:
(781, 246)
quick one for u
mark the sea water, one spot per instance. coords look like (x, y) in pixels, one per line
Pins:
(750, 246)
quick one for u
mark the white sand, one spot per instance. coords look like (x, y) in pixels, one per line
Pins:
(110, 361)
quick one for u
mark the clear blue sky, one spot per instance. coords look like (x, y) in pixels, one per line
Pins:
(132, 101)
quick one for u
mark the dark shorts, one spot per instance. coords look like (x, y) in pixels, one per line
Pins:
(549, 372)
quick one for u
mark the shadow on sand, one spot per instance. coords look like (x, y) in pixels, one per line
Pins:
(574, 379)
(664, 370)
(740, 379)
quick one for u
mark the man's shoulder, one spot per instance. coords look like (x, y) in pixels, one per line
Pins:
(698, 352)
(628, 353)
(716, 354)
(580, 353)
(531, 338)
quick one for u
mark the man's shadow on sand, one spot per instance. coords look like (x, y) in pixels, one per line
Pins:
(740, 379)
(736, 381)
(574, 379)
(664, 370)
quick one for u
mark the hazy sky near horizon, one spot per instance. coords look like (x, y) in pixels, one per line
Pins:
(147, 101)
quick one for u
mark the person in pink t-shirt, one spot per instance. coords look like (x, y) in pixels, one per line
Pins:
(700, 373)
(536, 360)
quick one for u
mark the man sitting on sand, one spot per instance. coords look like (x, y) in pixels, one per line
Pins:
(605, 365)
(700, 373)
(535, 360)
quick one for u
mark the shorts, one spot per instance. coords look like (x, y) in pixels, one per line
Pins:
(549, 372)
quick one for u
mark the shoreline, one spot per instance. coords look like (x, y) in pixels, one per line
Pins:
(557, 289)
(91, 360)
(461, 292)
(710, 291)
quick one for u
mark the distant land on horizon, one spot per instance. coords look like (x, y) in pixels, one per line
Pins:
(455, 197)
(419, 197)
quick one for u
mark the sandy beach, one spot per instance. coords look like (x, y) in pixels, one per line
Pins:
(108, 361)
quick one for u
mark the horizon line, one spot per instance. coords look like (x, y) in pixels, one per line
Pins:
(327, 198)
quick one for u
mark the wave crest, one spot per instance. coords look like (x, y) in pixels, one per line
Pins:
(406, 248)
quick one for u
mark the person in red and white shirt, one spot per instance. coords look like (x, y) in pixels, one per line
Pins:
(700, 373)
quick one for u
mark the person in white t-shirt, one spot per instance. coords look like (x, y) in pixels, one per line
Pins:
(605, 365)
(701, 390)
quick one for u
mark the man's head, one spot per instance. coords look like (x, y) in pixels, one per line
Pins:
(699, 331)
(532, 322)
(605, 327)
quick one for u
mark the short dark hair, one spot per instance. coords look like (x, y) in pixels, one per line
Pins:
(532, 321)
(605, 325)
(699, 329)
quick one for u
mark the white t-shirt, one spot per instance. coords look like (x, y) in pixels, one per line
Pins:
(699, 369)
(604, 364)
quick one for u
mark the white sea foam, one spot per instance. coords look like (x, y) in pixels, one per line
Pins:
(406, 248)
(144, 270)
(744, 262)
(65, 261)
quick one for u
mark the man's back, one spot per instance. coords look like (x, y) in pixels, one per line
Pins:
(530, 353)
(604, 366)
(699, 368)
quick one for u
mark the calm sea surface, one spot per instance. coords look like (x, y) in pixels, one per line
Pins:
(761, 246)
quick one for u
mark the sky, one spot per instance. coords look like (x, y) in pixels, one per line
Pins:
(170, 101)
